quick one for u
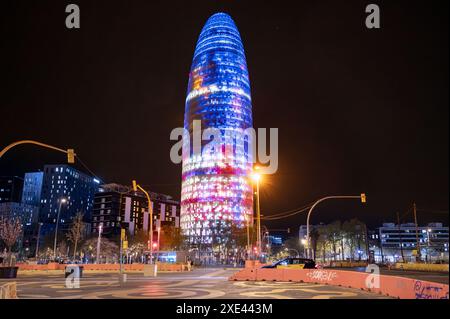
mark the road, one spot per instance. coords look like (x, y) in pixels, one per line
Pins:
(198, 284)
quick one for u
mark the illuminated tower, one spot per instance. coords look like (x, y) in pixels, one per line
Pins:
(216, 188)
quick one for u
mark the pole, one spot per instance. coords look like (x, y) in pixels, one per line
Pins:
(150, 210)
(121, 251)
(248, 238)
(419, 254)
(308, 239)
(98, 243)
(400, 237)
(37, 241)
(258, 220)
(56, 229)
(159, 236)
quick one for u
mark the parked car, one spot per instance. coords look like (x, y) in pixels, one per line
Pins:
(293, 263)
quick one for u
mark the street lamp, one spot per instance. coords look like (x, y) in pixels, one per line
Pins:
(428, 245)
(100, 228)
(153, 269)
(256, 178)
(37, 240)
(361, 197)
(61, 201)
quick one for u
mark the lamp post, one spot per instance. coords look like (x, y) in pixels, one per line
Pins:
(248, 236)
(100, 228)
(362, 197)
(256, 178)
(61, 201)
(136, 186)
(37, 240)
(428, 245)
(304, 242)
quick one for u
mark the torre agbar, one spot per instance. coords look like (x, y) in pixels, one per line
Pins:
(216, 185)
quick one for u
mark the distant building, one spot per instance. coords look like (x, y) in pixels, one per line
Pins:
(275, 240)
(32, 188)
(116, 205)
(63, 182)
(398, 239)
(10, 189)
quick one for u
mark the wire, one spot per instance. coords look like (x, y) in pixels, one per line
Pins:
(288, 215)
(87, 168)
(433, 211)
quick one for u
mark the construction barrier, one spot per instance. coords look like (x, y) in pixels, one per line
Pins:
(8, 291)
(398, 287)
(103, 267)
(422, 267)
(348, 264)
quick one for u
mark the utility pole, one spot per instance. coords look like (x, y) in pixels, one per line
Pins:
(37, 240)
(419, 255)
(98, 243)
(400, 237)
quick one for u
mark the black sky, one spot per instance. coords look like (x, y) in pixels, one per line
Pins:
(358, 110)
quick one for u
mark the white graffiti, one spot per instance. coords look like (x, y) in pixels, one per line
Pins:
(322, 275)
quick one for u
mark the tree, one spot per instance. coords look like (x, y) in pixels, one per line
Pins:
(171, 238)
(314, 235)
(354, 230)
(108, 249)
(10, 231)
(334, 235)
(76, 231)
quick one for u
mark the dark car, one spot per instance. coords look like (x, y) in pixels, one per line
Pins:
(293, 263)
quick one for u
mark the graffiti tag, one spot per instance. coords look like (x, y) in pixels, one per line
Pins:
(322, 275)
(427, 291)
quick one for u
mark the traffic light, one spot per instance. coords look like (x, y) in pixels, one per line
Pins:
(363, 198)
(125, 244)
(70, 156)
(134, 186)
(122, 234)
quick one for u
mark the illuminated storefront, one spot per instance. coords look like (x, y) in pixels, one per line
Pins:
(216, 188)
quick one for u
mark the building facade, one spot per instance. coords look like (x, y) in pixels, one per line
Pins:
(32, 188)
(399, 242)
(10, 189)
(116, 206)
(216, 188)
(64, 186)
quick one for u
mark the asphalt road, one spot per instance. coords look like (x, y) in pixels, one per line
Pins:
(198, 284)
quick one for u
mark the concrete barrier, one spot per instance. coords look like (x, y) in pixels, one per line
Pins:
(422, 267)
(102, 267)
(348, 264)
(398, 287)
(8, 291)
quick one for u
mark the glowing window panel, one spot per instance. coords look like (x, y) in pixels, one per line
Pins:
(216, 188)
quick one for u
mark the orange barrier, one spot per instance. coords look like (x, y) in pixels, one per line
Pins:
(398, 287)
(102, 267)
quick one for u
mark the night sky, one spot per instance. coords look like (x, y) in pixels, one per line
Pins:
(358, 110)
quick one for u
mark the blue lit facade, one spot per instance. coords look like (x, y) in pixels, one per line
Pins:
(63, 181)
(216, 188)
(32, 188)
